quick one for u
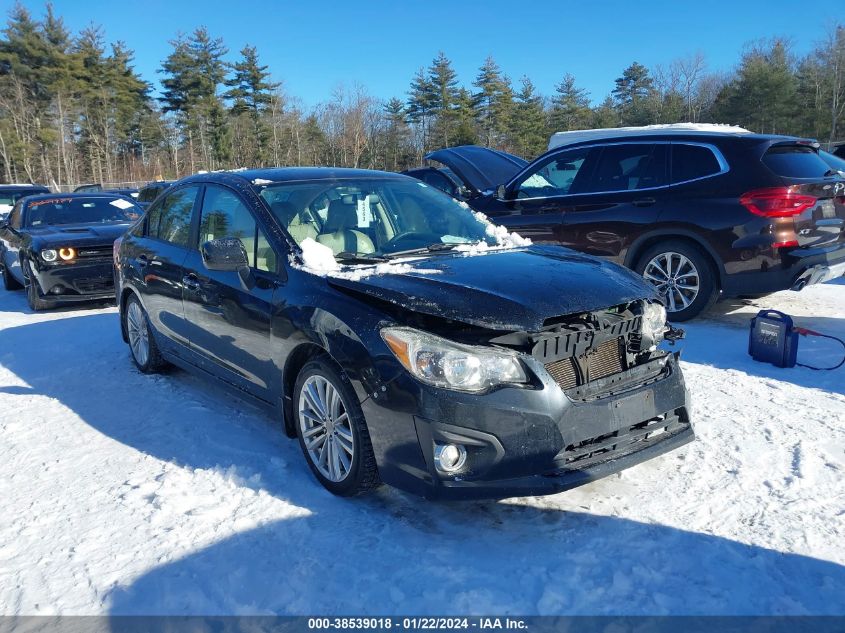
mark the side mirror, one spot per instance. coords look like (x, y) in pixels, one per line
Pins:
(500, 192)
(462, 192)
(225, 254)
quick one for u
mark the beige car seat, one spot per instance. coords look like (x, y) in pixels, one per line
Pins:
(340, 230)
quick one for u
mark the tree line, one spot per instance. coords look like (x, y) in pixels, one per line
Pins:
(74, 110)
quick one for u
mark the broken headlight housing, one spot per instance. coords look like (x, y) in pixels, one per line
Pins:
(443, 363)
(654, 325)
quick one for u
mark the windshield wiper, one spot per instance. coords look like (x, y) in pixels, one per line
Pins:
(431, 248)
(361, 258)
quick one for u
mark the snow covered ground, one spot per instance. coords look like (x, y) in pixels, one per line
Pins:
(123, 493)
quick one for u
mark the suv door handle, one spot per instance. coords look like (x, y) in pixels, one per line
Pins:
(644, 202)
(550, 207)
(191, 282)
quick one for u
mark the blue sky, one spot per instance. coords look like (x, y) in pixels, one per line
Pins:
(314, 46)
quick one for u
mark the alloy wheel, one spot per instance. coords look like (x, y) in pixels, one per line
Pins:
(139, 337)
(676, 279)
(326, 428)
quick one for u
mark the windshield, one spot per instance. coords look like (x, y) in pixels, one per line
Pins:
(9, 198)
(374, 217)
(81, 210)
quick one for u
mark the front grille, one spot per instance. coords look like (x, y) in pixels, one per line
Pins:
(601, 448)
(94, 251)
(94, 284)
(604, 361)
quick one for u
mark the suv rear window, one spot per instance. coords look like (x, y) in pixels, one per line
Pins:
(690, 162)
(795, 161)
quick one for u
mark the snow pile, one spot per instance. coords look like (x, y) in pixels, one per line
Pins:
(319, 259)
(261, 181)
(504, 238)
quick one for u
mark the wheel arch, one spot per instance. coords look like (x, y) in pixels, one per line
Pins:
(125, 293)
(296, 360)
(642, 243)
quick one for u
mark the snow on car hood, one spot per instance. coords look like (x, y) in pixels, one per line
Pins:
(508, 290)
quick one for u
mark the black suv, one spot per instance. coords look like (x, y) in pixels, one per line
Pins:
(402, 338)
(696, 213)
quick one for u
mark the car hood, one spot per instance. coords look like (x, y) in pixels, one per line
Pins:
(72, 234)
(510, 290)
(480, 168)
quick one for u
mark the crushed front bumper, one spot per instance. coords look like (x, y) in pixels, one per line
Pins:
(528, 441)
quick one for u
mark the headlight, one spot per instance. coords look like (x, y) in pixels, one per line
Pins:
(654, 324)
(442, 363)
(49, 255)
(67, 254)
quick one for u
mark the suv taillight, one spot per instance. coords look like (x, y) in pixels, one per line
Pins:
(776, 202)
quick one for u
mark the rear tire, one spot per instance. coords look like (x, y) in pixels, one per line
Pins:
(332, 432)
(692, 283)
(9, 281)
(142, 344)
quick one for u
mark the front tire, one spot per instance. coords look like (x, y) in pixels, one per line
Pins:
(142, 345)
(33, 294)
(683, 275)
(332, 432)
(9, 281)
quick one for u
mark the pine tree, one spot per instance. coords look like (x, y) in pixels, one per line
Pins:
(632, 95)
(763, 95)
(444, 87)
(251, 93)
(465, 130)
(397, 151)
(422, 102)
(194, 71)
(529, 129)
(493, 103)
(570, 106)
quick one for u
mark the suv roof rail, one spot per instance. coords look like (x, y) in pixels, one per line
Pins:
(576, 136)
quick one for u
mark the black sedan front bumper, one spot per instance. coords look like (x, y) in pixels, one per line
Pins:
(71, 282)
(527, 441)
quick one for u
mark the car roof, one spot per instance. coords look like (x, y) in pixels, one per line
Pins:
(283, 174)
(22, 185)
(688, 131)
(80, 194)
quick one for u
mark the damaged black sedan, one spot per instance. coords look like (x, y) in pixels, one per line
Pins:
(59, 247)
(401, 337)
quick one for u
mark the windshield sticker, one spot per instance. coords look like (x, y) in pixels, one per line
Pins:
(38, 203)
(121, 204)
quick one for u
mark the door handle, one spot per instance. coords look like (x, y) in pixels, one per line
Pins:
(644, 202)
(550, 207)
(191, 282)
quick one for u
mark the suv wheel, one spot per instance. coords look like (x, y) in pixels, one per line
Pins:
(142, 344)
(683, 275)
(331, 430)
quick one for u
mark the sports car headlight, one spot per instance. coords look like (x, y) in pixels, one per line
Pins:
(67, 254)
(443, 363)
(49, 255)
(654, 323)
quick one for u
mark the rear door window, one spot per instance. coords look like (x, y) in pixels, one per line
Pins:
(690, 162)
(795, 161)
(628, 167)
(171, 220)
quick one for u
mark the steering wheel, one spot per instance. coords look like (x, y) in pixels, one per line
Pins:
(396, 238)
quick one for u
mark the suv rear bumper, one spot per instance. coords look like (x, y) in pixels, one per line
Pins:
(801, 268)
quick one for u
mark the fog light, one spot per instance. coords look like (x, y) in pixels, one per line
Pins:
(449, 458)
(56, 290)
